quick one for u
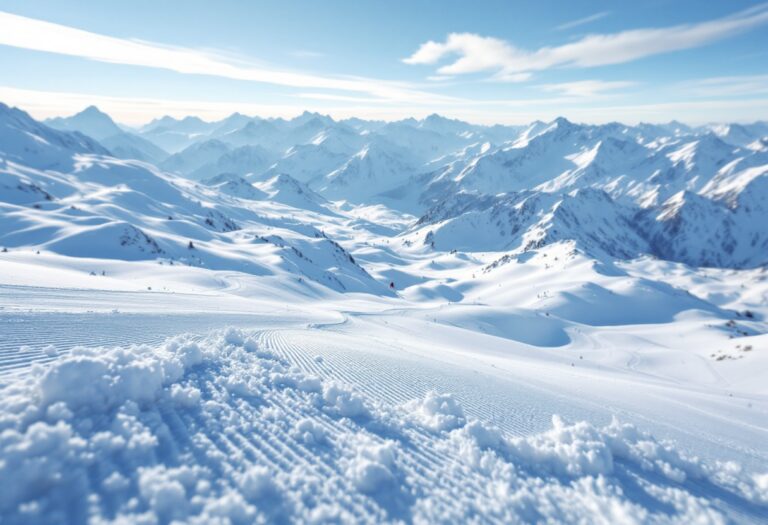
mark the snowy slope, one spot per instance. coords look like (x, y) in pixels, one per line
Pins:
(385, 415)
(229, 427)
(528, 220)
(286, 190)
(305, 163)
(245, 160)
(130, 146)
(576, 328)
(375, 169)
(687, 227)
(196, 156)
(34, 144)
(112, 209)
(646, 191)
(740, 134)
(232, 184)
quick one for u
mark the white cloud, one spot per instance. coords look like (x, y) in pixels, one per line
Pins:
(506, 76)
(586, 88)
(728, 86)
(342, 98)
(29, 33)
(582, 21)
(478, 53)
(439, 78)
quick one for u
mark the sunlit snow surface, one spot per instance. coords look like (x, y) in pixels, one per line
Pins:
(584, 342)
(361, 409)
(248, 425)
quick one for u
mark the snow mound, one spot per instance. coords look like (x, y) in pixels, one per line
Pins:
(436, 412)
(218, 429)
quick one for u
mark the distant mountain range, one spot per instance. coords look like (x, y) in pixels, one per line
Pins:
(697, 195)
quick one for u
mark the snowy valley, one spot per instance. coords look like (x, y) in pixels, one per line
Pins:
(419, 321)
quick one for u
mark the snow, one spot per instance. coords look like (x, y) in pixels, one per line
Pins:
(91, 121)
(436, 412)
(164, 453)
(100, 126)
(576, 330)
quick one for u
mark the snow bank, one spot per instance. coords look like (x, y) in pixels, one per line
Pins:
(577, 465)
(222, 429)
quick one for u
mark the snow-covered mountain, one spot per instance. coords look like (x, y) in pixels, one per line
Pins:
(28, 142)
(721, 227)
(528, 220)
(173, 135)
(91, 121)
(130, 146)
(739, 134)
(305, 162)
(678, 193)
(285, 189)
(245, 161)
(232, 184)
(100, 126)
(609, 189)
(87, 203)
(196, 156)
(373, 170)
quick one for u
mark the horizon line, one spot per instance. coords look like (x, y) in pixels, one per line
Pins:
(296, 114)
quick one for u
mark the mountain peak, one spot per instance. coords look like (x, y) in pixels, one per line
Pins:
(562, 122)
(92, 110)
(6, 109)
(435, 117)
(90, 121)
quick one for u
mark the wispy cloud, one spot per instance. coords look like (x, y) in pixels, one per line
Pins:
(478, 53)
(728, 86)
(582, 21)
(508, 76)
(306, 53)
(439, 78)
(342, 98)
(586, 88)
(28, 33)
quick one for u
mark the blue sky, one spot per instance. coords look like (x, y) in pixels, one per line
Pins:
(487, 62)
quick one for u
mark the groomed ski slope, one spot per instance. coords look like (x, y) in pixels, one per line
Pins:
(249, 426)
(279, 408)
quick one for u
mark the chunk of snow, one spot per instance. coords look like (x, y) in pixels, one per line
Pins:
(437, 412)
(343, 401)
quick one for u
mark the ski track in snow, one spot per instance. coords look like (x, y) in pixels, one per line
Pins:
(63, 331)
(281, 425)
